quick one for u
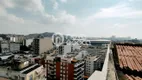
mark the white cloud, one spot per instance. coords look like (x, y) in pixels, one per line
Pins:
(6, 3)
(10, 17)
(64, 1)
(130, 0)
(118, 11)
(64, 17)
(35, 6)
(133, 0)
(61, 18)
(30, 5)
(14, 18)
(64, 22)
(118, 25)
(55, 5)
(6, 16)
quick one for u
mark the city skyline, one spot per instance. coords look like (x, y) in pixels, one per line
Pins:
(92, 18)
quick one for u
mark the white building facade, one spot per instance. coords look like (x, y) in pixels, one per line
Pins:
(14, 47)
(64, 49)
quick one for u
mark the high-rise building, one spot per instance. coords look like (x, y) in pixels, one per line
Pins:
(17, 38)
(42, 45)
(65, 67)
(62, 69)
(28, 42)
(95, 59)
(6, 47)
(92, 63)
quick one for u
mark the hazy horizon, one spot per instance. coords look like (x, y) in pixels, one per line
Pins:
(95, 18)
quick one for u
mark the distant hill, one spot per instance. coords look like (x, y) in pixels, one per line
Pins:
(7, 36)
(39, 35)
(30, 36)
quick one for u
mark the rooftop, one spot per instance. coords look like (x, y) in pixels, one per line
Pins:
(132, 77)
(129, 61)
(31, 69)
(1, 78)
(5, 56)
(130, 57)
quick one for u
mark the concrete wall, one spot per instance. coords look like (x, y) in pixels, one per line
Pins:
(67, 49)
(45, 44)
(64, 49)
(28, 42)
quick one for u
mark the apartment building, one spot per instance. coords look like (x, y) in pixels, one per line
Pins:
(14, 47)
(17, 38)
(63, 49)
(35, 72)
(95, 59)
(41, 45)
(20, 67)
(4, 47)
(28, 42)
(32, 72)
(92, 63)
(64, 67)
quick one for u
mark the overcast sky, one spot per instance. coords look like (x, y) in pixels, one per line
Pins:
(89, 17)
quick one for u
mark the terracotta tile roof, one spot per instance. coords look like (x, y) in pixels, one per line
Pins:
(132, 77)
(130, 57)
(130, 60)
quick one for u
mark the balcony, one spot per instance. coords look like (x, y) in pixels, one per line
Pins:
(78, 78)
(50, 62)
(79, 64)
(80, 72)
